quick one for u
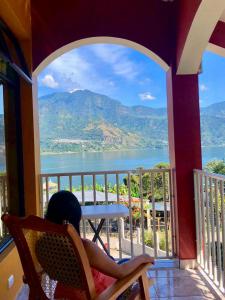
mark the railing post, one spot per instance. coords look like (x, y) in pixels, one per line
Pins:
(209, 208)
(122, 230)
(138, 236)
(146, 203)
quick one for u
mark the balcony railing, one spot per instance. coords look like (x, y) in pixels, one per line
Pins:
(147, 194)
(210, 225)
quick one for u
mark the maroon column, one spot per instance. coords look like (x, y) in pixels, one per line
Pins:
(185, 155)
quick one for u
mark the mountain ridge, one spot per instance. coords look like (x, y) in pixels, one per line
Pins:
(100, 123)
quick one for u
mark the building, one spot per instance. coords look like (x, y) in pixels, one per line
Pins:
(173, 33)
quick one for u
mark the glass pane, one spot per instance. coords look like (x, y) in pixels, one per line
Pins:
(3, 181)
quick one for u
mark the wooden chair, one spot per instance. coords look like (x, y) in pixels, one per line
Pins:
(52, 253)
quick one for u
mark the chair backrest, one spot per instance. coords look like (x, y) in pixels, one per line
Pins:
(55, 250)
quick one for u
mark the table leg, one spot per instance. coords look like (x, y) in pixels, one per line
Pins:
(97, 231)
(96, 235)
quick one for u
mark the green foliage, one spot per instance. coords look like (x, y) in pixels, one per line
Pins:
(162, 242)
(152, 184)
(136, 213)
(148, 238)
(101, 188)
(216, 166)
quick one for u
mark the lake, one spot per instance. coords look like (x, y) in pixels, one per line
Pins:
(115, 160)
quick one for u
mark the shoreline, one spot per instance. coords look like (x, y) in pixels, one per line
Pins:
(120, 150)
(112, 150)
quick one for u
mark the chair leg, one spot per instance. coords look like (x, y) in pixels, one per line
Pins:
(144, 287)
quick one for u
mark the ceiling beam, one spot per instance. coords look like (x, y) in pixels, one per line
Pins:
(16, 14)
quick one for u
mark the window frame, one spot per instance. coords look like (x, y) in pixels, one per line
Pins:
(13, 69)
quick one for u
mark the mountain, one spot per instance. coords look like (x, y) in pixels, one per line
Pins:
(88, 121)
(213, 124)
(84, 120)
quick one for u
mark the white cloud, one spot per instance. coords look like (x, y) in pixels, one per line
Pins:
(49, 81)
(117, 58)
(95, 68)
(74, 71)
(108, 53)
(75, 90)
(147, 96)
(203, 87)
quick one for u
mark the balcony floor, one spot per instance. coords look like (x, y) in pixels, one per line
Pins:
(170, 283)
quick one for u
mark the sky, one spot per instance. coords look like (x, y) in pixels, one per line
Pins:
(212, 79)
(124, 74)
(119, 72)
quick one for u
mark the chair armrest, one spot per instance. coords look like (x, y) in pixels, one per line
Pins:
(115, 290)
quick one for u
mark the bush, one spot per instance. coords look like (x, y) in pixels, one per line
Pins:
(216, 166)
(162, 242)
(149, 239)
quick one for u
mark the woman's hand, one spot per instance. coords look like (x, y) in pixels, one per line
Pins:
(146, 259)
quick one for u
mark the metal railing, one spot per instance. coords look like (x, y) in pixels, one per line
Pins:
(210, 225)
(147, 194)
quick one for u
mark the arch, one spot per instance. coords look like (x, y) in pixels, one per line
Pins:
(216, 49)
(198, 36)
(100, 40)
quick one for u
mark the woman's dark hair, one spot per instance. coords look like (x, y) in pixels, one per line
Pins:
(64, 206)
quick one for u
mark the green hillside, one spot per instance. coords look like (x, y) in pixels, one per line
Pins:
(87, 121)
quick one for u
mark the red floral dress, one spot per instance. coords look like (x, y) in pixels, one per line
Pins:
(101, 282)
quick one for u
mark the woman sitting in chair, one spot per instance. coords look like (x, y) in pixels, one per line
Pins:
(64, 206)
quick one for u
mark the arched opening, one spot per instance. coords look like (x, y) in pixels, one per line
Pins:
(101, 40)
(101, 143)
(212, 105)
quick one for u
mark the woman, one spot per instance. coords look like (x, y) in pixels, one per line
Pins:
(64, 206)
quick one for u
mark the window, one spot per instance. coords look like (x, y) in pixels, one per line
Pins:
(3, 174)
(13, 69)
(11, 155)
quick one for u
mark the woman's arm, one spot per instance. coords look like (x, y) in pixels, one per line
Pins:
(100, 261)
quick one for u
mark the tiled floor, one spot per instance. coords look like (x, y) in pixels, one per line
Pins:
(171, 283)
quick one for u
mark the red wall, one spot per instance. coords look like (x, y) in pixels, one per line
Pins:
(57, 23)
(156, 25)
(185, 154)
(218, 35)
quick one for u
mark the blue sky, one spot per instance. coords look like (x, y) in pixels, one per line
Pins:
(212, 79)
(116, 71)
(124, 74)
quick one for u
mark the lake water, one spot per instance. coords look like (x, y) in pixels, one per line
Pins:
(115, 160)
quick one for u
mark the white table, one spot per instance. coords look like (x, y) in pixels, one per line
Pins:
(90, 212)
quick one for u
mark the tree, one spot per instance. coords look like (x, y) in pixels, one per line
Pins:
(148, 188)
(216, 166)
